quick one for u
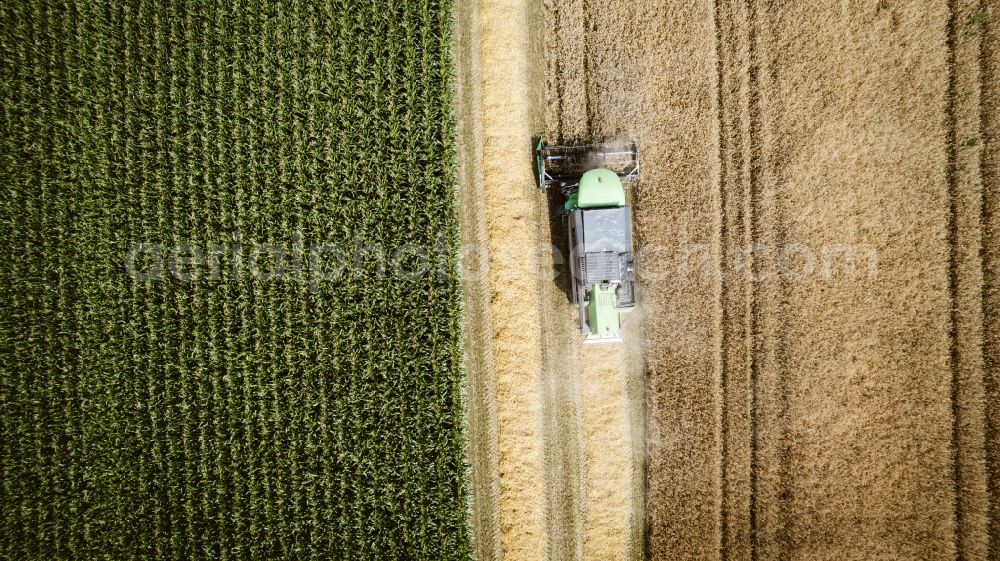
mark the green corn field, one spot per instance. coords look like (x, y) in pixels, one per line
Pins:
(170, 390)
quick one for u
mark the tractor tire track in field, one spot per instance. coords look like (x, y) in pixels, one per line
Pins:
(970, 439)
(989, 59)
(737, 304)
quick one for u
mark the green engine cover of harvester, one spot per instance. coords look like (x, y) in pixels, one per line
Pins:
(602, 310)
(600, 188)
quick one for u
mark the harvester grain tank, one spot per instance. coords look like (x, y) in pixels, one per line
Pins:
(592, 178)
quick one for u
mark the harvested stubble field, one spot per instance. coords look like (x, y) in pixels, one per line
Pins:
(218, 413)
(797, 408)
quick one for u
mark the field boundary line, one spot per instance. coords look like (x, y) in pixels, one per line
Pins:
(720, 250)
(752, 162)
(769, 455)
(739, 232)
(990, 114)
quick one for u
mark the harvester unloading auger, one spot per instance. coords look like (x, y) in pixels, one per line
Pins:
(599, 224)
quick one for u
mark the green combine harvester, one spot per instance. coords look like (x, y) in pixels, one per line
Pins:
(598, 219)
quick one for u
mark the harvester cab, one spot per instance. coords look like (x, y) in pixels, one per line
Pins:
(592, 177)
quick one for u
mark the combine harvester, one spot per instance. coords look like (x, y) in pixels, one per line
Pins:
(599, 223)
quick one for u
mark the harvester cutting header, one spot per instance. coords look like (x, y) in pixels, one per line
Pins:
(599, 224)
